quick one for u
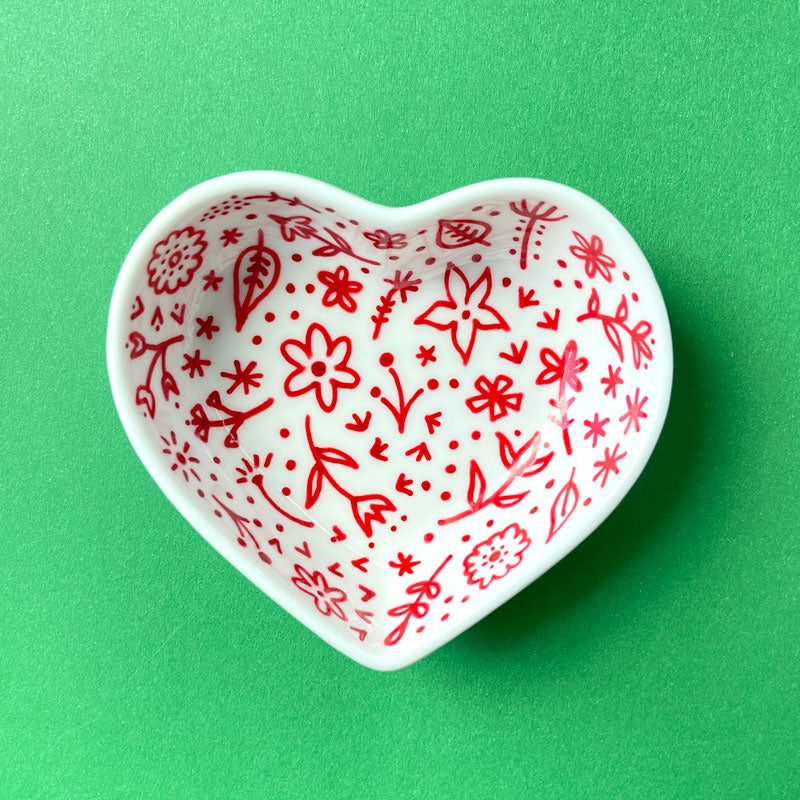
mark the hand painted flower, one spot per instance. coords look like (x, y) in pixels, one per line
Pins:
(326, 598)
(465, 311)
(383, 240)
(175, 260)
(592, 255)
(340, 289)
(565, 367)
(495, 557)
(320, 365)
(494, 396)
(370, 508)
(292, 228)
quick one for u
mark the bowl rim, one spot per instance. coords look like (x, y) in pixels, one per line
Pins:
(383, 659)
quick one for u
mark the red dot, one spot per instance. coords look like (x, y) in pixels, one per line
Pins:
(635, 297)
(536, 256)
(269, 316)
(538, 242)
(450, 469)
(318, 369)
(375, 391)
(241, 542)
(249, 216)
(393, 528)
(286, 491)
(296, 257)
(433, 383)
(453, 444)
(506, 282)
(476, 258)
(453, 383)
(476, 435)
(425, 486)
(427, 538)
(284, 432)
(445, 617)
(561, 263)
(310, 288)
(466, 314)
(465, 537)
(279, 528)
(365, 270)
(489, 523)
(294, 314)
(290, 288)
(403, 517)
(587, 501)
(256, 340)
(216, 459)
(513, 251)
(494, 213)
(257, 523)
(557, 284)
(291, 464)
(386, 359)
(370, 545)
(430, 260)
(264, 557)
(578, 285)
(549, 484)
(517, 433)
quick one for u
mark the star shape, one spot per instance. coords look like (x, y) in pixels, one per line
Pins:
(206, 327)
(404, 564)
(465, 311)
(195, 363)
(212, 281)
(596, 428)
(612, 381)
(634, 412)
(426, 354)
(244, 377)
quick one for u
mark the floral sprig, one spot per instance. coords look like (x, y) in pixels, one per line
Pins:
(251, 473)
(399, 283)
(534, 216)
(421, 591)
(522, 463)
(242, 529)
(613, 325)
(366, 509)
(144, 392)
(231, 419)
(300, 227)
(274, 197)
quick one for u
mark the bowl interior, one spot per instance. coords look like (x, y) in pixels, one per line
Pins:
(362, 407)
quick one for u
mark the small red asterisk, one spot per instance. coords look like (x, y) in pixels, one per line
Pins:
(230, 236)
(596, 428)
(245, 378)
(426, 354)
(612, 381)
(634, 412)
(404, 564)
(608, 464)
(194, 364)
(206, 327)
(212, 281)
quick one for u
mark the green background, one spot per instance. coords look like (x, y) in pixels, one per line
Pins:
(657, 661)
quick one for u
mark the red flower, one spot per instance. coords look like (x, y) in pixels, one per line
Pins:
(565, 367)
(294, 227)
(383, 240)
(320, 364)
(326, 597)
(340, 289)
(495, 557)
(592, 255)
(175, 260)
(465, 311)
(370, 508)
(495, 396)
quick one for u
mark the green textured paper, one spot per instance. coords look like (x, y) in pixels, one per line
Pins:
(659, 660)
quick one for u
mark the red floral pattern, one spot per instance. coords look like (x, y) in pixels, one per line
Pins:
(496, 556)
(175, 260)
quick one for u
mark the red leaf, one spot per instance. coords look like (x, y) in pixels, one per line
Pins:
(507, 453)
(169, 385)
(622, 310)
(477, 485)
(593, 308)
(508, 500)
(564, 504)
(253, 263)
(144, 397)
(334, 456)
(454, 233)
(139, 344)
(326, 250)
(314, 485)
(612, 334)
(539, 465)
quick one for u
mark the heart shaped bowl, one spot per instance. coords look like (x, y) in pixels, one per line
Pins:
(390, 420)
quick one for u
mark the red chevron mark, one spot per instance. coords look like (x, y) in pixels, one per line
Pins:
(178, 313)
(276, 544)
(526, 299)
(359, 424)
(138, 307)
(339, 534)
(362, 634)
(516, 353)
(403, 483)
(368, 593)
(365, 615)
(549, 323)
(358, 563)
(304, 550)
(334, 568)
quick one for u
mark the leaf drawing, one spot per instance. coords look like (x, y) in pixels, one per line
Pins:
(254, 276)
